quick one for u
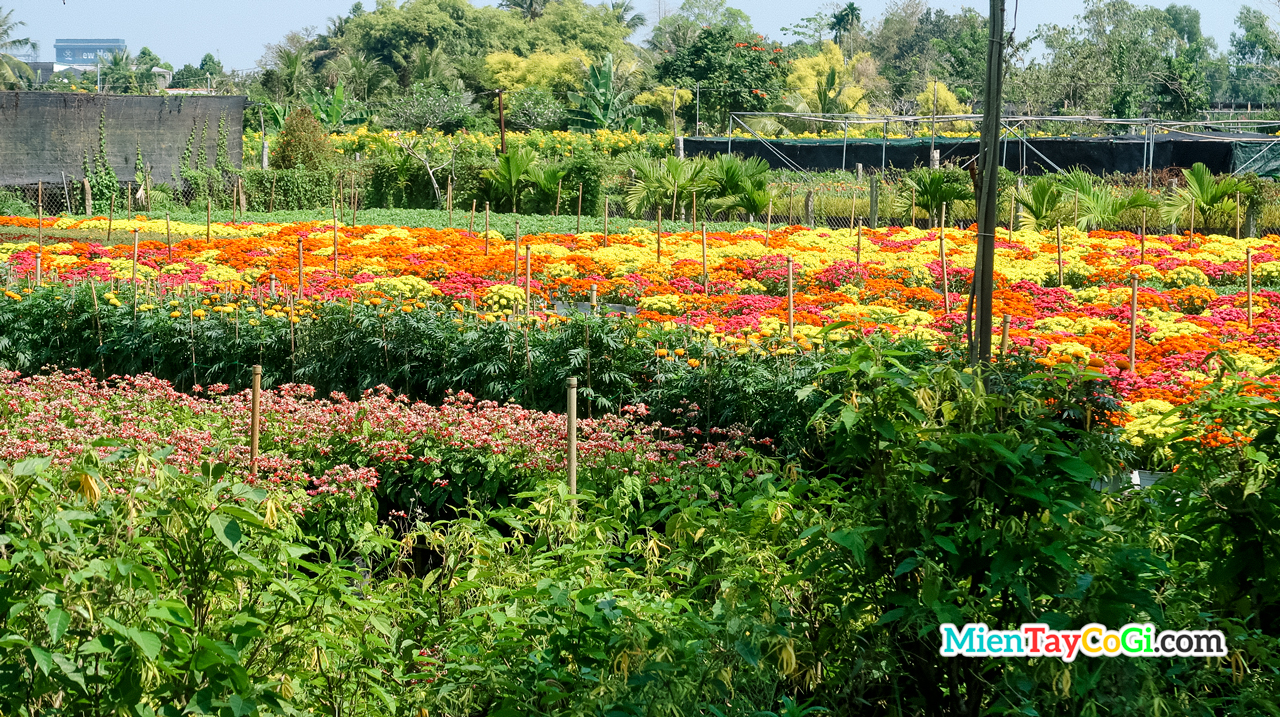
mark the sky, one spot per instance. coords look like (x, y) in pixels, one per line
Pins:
(236, 30)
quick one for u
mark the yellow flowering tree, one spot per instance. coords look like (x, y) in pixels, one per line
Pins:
(947, 104)
(558, 72)
(659, 99)
(826, 83)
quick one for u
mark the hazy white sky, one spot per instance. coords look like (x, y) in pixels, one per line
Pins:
(236, 30)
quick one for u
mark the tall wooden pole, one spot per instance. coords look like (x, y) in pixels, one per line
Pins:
(255, 417)
(571, 416)
(579, 230)
(486, 229)
(989, 158)
(791, 308)
(335, 235)
(1248, 285)
(1133, 325)
(515, 269)
(40, 230)
(706, 285)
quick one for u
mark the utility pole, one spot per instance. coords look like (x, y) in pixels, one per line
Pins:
(989, 177)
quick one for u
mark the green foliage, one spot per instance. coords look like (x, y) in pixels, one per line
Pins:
(102, 178)
(720, 58)
(1207, 201)
(287, 189)
(603, 103)
(303, 144)
(1038, 202)
(12, 204)
(426, 106)
(511, 178)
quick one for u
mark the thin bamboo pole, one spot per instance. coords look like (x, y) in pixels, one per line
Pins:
(486, 229)
(791, 308)
(1059, 253)
(528, 262)
(40, 231)
(579, 229)
(1004, 336)
(335, 235)
(571, 415)
(450, 200)
(255, 418)
(1142, 239)
(168, 235)
(111, 215)
(133, 273)
(606, 221)
(1133, 325)
(471, 225)
(515, 269)
(555, 211)
(1248, 286)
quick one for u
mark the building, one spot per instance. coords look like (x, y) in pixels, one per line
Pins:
(84, 54)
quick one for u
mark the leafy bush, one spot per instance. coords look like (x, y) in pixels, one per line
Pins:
(430, 107)
(11, 204)
(303, 144)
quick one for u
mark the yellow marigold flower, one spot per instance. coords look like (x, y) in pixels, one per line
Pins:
(175, 314)
(694, 363)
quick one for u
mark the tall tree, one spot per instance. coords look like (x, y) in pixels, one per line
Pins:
(14, 73)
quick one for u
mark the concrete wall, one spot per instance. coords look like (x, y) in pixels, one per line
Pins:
(43, 134)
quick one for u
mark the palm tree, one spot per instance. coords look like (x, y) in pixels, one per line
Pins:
(292, 66)
(933, 189)
(14, 73)
(509, 178)
(846, 24)
(366, 77)
(1038, 202)
(739, 186)
(627, 16)
(659, 181)
(603, 103)
(423, 64)
(117, 74)
(530, 9)
(1213, 200)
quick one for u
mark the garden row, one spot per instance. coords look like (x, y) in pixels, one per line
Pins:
(148, 569)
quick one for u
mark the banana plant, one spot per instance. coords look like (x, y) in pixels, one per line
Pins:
(602, 103)
(1205, 201)
(333, 110)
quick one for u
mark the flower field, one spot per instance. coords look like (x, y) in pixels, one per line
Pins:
(1192, 300)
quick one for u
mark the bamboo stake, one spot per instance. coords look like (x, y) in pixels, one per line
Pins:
(471, 225)
(271, 207)
(942, 255)
(111, 215)
(515, 270)
(1248, 285)
(579, 229)
(1133, 326)
(853, 208)
(768, 226)
(1004, 336)
(168, 235)
(913, 208)
(791, 309)
(695, 207)
(1142, 239)
(555, 211)
(1237, 216)
(1059, 254)
(606, 221)
(528, 259)
(858, 256)
(133, 274)
(706, 290)
(450, 200)
(208, 218)
(1192, 236)
(355, 202)
(571, 414)
(486, 229)
(1013, 207)
(255, 418)
(300, 275)
(335, 235)
(40, 230)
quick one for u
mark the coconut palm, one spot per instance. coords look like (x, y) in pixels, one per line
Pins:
(933, 189)
(1213, 201)
(364, 75)
(1038, 202)
(627, 16)
(509, 179)
(14, 73)
(425, 65)
(292, 68)
(846, 24)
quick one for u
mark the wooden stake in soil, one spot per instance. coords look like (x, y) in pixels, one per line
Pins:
(208, 218)
(88, 198)
(449, 192)
(1013, 207)
(606, 221)
(1059, 254)
(111, 215)
(913, 207)
(515, 270)
(255, 418)
(128, 199)
(695, 207)
(335, 235)
(1133, 325)
(705, 283)
(942, 256)
(168, 235)
(1142, 240)
(1237, 216)
(301, 280)
(791, 309)
(1248, 286)
(271, 207)
(571, 415)
(471, 225)
(579, 229)
(858, 255)
(768, 225)
(133, 273)
(1004, 336)
(528, 262)
(486, 229)
(40, 229)
(555, 211)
